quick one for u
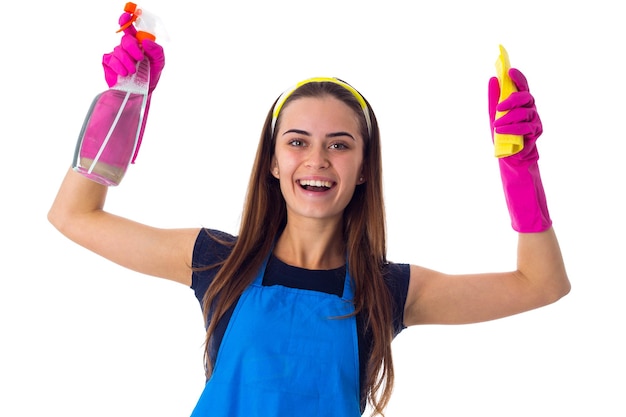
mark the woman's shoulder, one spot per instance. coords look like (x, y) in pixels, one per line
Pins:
(212, 247)
(396, 274)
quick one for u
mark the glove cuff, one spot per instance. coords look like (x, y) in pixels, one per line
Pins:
(525, 197)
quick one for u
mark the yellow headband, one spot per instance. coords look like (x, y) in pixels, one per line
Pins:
(284, 96)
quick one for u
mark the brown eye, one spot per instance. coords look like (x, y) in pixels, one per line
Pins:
(339, 146)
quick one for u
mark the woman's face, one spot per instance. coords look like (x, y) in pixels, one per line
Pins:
(318, 157)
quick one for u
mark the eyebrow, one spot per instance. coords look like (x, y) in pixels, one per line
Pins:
(330, 135)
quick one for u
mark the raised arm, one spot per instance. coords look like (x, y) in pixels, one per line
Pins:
(78, 213)
(78, 209)
(540, 277)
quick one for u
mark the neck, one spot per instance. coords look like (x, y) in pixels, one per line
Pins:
(311, 245)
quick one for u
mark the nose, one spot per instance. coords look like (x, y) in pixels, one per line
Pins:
(317, 158)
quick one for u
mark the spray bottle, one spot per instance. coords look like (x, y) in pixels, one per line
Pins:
(110, 133)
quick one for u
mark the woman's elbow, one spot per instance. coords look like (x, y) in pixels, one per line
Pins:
(59, 220)
(559, 287)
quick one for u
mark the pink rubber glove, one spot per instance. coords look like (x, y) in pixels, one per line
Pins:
(521, 180)
(123, 61)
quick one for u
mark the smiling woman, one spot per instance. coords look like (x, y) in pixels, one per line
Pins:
(318, 157)
(309, 264)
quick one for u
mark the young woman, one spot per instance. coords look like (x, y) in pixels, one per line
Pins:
(302, 305)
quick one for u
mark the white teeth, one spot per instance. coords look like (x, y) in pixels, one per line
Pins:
(316, 183)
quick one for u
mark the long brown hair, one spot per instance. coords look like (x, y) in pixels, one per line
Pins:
(364, 230)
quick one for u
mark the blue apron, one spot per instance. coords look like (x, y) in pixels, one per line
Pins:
(286, 352)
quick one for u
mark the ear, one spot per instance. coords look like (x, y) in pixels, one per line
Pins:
(274, 170)
(361, 178)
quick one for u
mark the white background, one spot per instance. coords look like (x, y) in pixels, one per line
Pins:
(84, 337)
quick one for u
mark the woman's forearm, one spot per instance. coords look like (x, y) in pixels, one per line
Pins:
(77, 199)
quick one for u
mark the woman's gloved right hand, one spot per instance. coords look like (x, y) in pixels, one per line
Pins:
(123, 60)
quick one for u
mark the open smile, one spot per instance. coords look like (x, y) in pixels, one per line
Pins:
(316, 185)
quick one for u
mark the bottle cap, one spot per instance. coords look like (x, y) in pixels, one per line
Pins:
(146, 23)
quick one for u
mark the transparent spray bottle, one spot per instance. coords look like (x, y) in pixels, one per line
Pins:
(110, 133)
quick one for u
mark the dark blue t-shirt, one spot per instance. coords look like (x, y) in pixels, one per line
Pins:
(208, 251)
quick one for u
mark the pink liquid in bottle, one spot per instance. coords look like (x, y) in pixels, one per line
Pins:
(111, 130)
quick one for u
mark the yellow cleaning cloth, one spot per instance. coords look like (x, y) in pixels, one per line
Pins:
(505, 145)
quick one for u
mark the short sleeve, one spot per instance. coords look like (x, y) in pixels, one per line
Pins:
(211, 247)
(397, 279)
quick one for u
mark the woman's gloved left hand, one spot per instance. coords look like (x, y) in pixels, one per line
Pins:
(521, 180)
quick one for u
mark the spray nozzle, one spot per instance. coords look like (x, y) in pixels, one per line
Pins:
(148, 25)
